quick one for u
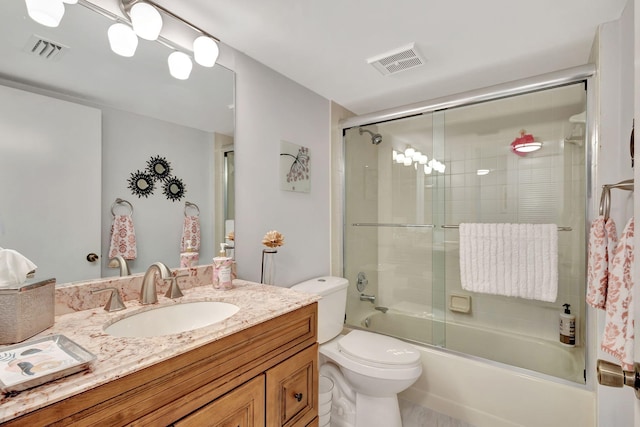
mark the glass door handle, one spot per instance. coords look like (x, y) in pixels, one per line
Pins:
(612, 375)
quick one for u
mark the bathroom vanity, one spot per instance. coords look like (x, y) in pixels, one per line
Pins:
(257, 368)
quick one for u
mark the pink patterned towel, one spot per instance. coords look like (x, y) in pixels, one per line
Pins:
(190, 233)
(618, 334)
(603, 239)
(123, 237)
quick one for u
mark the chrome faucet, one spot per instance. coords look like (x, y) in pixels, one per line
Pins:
(122, 263)
(370, 298)
(148, 294)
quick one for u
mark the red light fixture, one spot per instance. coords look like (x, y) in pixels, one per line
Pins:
(525, 144)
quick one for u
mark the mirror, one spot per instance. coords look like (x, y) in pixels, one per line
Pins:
(160, 144)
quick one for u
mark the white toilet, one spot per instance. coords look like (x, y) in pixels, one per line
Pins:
(369, 369)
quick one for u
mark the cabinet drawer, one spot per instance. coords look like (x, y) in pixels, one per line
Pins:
(292, 390)
(241, 407)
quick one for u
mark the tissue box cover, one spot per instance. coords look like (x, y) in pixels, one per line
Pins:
(26, 310)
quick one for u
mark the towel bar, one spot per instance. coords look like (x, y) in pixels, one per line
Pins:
(605, 197)
(375, 224)
(458, 226)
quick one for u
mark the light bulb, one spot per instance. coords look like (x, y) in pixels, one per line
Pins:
(407, 161)
(146, 21)
(394, 154)
(46, 12)
(409, 152)
(416, 156)
(427, 170)
(400, 158)
(205, 51)
(180, 65)
(423, 159)
(122, 39)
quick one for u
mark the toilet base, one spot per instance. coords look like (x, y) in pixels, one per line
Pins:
(377, 411)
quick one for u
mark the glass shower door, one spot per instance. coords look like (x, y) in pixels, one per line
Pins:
(389, 226)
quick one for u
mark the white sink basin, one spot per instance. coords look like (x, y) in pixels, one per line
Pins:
(172, 319)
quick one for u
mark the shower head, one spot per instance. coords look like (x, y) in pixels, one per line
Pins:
(376, 138)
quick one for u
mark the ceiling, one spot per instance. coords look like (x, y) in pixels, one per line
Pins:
(467, 44)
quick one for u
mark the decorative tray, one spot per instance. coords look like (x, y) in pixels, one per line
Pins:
(35, 362)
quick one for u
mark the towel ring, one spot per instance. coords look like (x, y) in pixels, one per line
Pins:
(120, 201)
(605, 202)
(188, 205)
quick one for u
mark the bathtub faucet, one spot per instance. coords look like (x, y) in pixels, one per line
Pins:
(382, 309)
(370, 298)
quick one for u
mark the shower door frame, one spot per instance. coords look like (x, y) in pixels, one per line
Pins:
(584, 73)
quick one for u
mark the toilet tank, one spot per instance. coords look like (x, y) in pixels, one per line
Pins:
(331, 308)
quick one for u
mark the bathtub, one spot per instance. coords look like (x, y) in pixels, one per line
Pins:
(488, 377)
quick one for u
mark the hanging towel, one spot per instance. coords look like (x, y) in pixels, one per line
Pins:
(123, 237)
(618, 334)
(517, 260)
(603, 239)
(190, 234)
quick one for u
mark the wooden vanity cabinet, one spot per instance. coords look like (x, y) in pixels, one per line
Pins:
(266, 375)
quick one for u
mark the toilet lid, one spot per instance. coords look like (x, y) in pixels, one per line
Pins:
(376, 348)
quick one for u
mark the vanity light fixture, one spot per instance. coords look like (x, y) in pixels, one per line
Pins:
(122, 39)
(205, 51)
(409, 152)
(139, 18)
(46, 12)
(146, 20)
(180, 65)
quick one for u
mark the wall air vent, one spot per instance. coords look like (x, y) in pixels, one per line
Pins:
(45, 49)
(404, 58)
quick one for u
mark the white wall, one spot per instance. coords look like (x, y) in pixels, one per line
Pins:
(614, 59)
(128, 142)
(271, 108)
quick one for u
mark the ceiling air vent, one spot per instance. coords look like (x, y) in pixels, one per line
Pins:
(404, 58)
(45, 49)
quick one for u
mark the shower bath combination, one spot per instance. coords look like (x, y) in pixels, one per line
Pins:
(376, 138)
(401, 224)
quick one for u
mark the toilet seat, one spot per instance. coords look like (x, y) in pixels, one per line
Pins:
(378, 350)
(360, 365)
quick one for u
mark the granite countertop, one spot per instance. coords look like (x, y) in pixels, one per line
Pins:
(117, 357)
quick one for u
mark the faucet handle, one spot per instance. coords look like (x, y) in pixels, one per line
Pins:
(174, 290)
(115, 301)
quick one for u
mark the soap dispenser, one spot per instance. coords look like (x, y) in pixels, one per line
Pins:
(222, 270)
(567, 327)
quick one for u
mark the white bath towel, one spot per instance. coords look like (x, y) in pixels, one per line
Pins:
(516, 260)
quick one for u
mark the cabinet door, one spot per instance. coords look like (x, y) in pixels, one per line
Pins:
(241, 407)
(292, 390)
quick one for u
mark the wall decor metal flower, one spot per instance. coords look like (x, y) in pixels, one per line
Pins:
(141, 184)
(173, 188)
(295, 172)
(159, 168)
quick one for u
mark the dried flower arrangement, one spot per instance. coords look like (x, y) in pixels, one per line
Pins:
(273, 239)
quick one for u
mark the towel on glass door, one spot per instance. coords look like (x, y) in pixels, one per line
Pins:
(603, 239)
(123, 237)
(190, 234)
(516, 260)
(618, 338)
